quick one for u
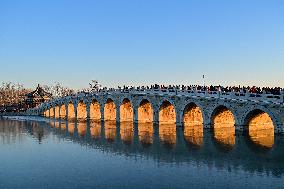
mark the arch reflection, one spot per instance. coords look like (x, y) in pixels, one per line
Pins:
(167, 113)
(193, 134)
(71, 128)
(224, 126)
(82, 127)
(95, 129)
(127, 132)
(146, 133)
(63, 126)
(167, 134)
(110, 130)
(260, 128)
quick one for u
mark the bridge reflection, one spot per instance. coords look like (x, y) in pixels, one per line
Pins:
(223, 134)
(221, 147)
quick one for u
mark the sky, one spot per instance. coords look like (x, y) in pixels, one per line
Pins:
(142, 42)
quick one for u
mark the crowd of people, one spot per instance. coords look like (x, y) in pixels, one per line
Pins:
(211, 88)
(239, 89)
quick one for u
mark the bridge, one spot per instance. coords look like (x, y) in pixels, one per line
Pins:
(238, 111)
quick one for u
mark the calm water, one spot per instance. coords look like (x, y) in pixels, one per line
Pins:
(52, 154)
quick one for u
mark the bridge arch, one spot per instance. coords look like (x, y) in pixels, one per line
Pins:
(126, 110)
(145, 111)
(46, 113)
(51, 111)
(223, 122)
(223, 116)
(62, 111)
(109, 110)
(57, 111)
(167, 113)
(95, 110)
(254, 110)
(81, 110)
(71, 110)
(260, 127)
(167, 123)
(193, 115)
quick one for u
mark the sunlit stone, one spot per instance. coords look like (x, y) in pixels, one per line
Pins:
(126, 111)
(167, 114)
(51, 112)
(193, 124)
(57, 112)
(224, 126)
(261, 129)
(46, 113)
(95, 112)
(81, 111)
(109, 111)
(71, 111)
(62, 112)
(145, 112)
(192, 115)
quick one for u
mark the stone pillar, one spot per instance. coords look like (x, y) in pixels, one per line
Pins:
(88, 110)
(239, 128)
(156, 115)
(67, 116)
(75, 110)
(66, 111)
(117, 112)
(179, 116)
(59, 112)
(135, 114)
(102, 108)
(206, 120)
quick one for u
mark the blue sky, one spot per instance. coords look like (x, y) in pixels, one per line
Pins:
(137, 42)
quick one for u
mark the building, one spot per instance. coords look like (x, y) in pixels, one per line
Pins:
(36, 97)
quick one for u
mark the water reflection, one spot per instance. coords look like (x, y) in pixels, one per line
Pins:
(262, 137)
(167, 133)
(63, 126)
(193, 134)
(71, 127)
(146, 133)
(243, 155)
(261, 129)
(110, 130)
(82, 126)
(95, 129)
(127, 132)
(225, 135)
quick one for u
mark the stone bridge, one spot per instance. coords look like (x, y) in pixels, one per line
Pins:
(240, 111)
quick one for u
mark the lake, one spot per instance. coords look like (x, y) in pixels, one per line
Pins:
(48, 153)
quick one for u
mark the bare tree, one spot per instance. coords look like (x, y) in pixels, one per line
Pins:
(11, 93)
